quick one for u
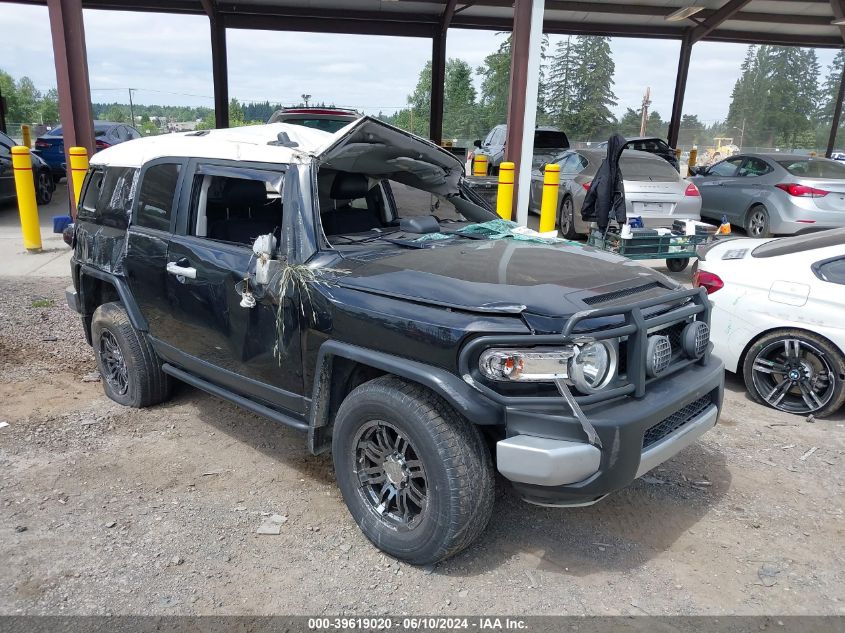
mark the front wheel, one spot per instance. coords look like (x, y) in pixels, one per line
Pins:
(796, 372)
(415, 475)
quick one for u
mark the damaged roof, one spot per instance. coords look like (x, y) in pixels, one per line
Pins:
(257, 143)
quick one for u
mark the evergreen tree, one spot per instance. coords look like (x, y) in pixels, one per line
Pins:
(830, 89)
(558, 90)
(592, 86)
(459, 107)
(495, 77)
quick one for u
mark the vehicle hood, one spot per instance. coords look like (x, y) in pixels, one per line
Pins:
(506, 275)
(377, 149)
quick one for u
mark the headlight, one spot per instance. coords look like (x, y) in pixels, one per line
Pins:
(593, 367)
(536, 364)
(589, 366)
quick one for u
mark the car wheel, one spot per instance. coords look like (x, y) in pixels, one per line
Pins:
(796, 372)
(130, 369)
(757, 222)
(677, 264)
(44, 187)
(415, 475)
(566, 219)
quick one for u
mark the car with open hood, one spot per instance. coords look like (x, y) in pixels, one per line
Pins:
(351, 286)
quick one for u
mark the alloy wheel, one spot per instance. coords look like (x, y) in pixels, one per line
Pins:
(757, 223)
(567, 217)
(114, 364)
(43, 188)
(392, 478)
(794, 375)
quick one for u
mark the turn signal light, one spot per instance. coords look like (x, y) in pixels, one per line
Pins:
(692, 191)
(709, 281)
(801, 191)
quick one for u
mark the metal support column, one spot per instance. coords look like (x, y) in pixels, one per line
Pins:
(68, 31)
(438, 87)
(526, 42)
(680, 89)
(837, 115)
(220, 70)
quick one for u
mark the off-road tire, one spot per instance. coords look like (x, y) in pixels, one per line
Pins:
(459, 470)
(832, 354)
(146, 383)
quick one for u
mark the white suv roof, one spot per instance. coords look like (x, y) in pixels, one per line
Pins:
(248, 143)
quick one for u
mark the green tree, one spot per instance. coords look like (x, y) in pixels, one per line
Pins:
(830, 89)
(558, 89)
(495, 81)
(592, 95)
(459, 107)
(117, 113)
(49, 107)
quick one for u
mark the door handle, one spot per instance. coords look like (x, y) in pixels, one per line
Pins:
(181, 271)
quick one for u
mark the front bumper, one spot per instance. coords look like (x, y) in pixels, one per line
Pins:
(549, 462)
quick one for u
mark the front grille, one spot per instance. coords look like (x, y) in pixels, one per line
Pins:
(676, 420)
(610, 297)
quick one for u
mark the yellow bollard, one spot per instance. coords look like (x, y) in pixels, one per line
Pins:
(27, 207)
(479, 165)
(25, 133)
(548, 206)
(78, 169)
(504, 195)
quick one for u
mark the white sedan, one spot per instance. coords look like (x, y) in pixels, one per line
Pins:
(779, 317)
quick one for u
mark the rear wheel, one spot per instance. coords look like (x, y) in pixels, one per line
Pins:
(796, 372)
(757, 222)
(416, 476)
(129, 366)
(566, 219)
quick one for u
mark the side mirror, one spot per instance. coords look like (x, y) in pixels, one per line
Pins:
(477, 143)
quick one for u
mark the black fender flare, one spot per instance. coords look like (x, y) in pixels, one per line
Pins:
(122, 287)
(465, 399)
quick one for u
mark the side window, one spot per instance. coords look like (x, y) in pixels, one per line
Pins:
(489, 139)
(118, 193)
(726, 168)
(236, 210)
(754, 167)
(88, 204)
(121, 133)
(831, 270)
(6, 145)
(132, 133)
(155, 198)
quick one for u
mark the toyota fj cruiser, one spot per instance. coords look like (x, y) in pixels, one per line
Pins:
(350, 286)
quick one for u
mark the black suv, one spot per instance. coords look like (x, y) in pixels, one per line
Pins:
(350, 286)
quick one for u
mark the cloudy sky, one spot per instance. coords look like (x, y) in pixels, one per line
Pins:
(167, 58)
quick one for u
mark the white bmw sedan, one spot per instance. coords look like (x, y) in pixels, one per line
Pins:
(779, 317)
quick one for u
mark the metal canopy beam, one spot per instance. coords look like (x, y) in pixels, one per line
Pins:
(837, 115)
(438, 86)
(838, 7)
(219, 63)
(727, 11)
(68, 34)
(680, 90)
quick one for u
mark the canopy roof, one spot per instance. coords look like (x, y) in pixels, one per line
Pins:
(789, 22)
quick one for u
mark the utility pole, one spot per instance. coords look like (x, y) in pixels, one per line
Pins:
(644, 118)
(131, 108)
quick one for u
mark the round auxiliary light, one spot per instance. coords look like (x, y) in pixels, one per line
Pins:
(658, 355)
(695, 339)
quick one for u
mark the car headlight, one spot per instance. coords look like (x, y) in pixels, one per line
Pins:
(593, 367)
(588, 366)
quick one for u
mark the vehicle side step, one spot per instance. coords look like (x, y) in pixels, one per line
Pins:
(246, 403)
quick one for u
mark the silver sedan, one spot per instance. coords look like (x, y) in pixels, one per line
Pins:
(772, 194)
(654, 191)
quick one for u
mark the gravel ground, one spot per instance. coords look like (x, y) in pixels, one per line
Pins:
(107, 510)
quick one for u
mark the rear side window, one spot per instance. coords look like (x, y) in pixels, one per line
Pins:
(108, 196)
(548, 139)
(642, 168)
(814, 168)
(155, 198)
(832, 270)
(754, 167)
(88, 204)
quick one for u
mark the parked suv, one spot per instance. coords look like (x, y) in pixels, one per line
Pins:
(348, 286)
(548, 142)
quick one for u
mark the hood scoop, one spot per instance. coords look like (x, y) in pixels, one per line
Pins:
(626, 295)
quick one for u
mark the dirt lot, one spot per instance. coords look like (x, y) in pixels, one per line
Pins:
(112, 510)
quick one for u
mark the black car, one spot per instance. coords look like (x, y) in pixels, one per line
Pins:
(349, 286)
(548, 142)
(44, 183)
(652, 145)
